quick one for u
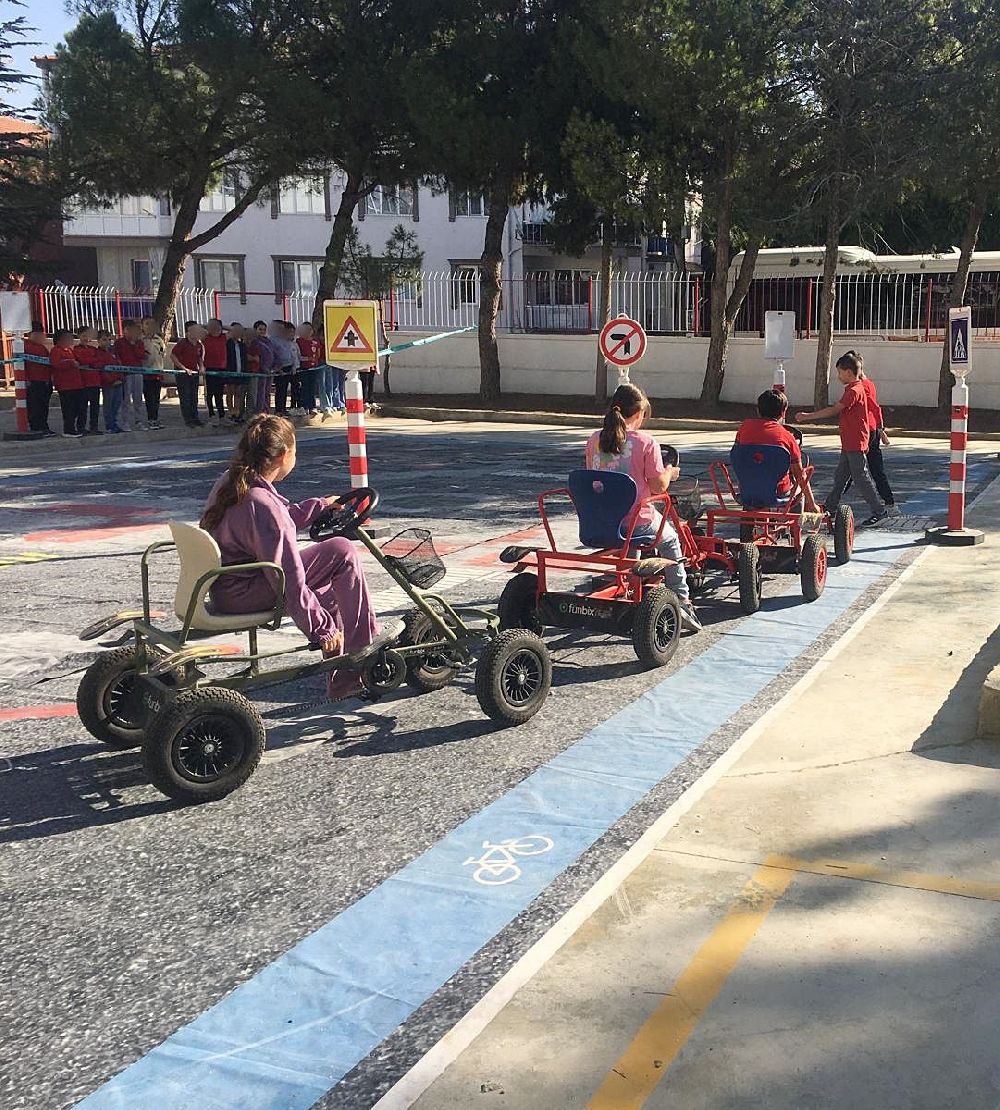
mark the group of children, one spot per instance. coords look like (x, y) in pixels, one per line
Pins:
(277, 368)
(620, 445)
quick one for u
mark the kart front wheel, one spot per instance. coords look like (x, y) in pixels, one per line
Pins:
(513, 676)
(812, 567)
(204, 745)
(750, 576)
(103, 700)
(843, 533)
(656, 628)
(518, 604)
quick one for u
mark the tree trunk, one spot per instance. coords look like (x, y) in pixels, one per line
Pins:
(490, 276)
(715, 367)
(827, 303)
(604, 314)
(329, 274)
(977, 210)
(175, 259)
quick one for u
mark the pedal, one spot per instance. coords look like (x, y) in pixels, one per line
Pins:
(515, 554)
(652, 568)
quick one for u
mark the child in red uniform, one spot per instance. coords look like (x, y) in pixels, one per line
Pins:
(188, 357)
(39, 378)
(876, 438)
(310, 354)
(215, 371)
(131, 351)
(85, 353)
(67, 380)
(111, 382)
(768, 427)
(852, 410)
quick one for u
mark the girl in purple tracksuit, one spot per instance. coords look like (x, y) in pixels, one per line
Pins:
(325, 590)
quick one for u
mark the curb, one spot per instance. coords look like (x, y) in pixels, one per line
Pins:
(576, 420)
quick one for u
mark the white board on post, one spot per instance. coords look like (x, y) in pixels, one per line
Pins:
(779, 336)
(15, 312)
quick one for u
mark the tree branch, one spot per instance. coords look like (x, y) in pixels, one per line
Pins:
(253, 191)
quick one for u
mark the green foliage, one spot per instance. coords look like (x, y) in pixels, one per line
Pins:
(364, 274)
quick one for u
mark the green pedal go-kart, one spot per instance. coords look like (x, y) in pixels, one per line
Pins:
(202, 738)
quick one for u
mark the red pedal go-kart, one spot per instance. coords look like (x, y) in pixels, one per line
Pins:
(629, 596)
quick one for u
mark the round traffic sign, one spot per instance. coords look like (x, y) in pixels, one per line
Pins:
(622, 341)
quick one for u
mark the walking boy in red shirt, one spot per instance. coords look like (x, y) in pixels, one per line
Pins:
(768, 427)
(85, 353)
(852, 410)
(876, 438)
(66, 378)
(39, 378)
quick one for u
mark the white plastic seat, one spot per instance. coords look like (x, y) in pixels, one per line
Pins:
(199, 554)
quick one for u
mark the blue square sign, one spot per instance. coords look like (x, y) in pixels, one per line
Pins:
(959, 335)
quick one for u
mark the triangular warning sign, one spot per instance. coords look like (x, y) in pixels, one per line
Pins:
(351, 340)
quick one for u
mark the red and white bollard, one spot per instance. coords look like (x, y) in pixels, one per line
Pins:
(779, 378)
(356, 447)
(20, 387)
(955, 534)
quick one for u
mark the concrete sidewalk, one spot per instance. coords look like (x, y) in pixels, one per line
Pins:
(818, 924)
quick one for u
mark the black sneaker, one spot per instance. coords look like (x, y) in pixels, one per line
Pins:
(874, 519)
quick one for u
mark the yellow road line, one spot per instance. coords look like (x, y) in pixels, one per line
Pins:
(645, 1062)
(24, 557)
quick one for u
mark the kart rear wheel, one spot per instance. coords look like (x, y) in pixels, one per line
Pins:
(656, 628)
(751, 577)
(427, 673)
(518, 604)
(204, 745)
(812, 567)
(513, 677)
(843, 533)
(102, 699)
(746, 532)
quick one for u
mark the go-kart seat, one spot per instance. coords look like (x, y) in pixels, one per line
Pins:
(759, 468)
(603, 500)
(199, 555)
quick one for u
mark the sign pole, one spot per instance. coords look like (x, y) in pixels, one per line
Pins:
(356, 446)
(955, 534)
(779, 378)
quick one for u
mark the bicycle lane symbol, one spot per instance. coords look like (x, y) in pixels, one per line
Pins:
(498, 865)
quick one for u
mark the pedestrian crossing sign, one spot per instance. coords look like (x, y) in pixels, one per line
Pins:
(959, 334)
(350, 331)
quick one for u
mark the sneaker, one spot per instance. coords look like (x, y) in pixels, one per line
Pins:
(893, 509)
(689, 618)
(389, 633)
(72, 435)
(874, 519)
(49, 434)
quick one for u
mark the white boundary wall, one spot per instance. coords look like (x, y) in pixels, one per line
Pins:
(906, 373)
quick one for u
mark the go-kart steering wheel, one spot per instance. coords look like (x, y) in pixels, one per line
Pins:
(342, 519)
(670, 455)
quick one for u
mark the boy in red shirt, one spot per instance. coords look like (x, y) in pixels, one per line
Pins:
(85, 353)
(131, 351)
(39, 378)
(188, 357)
(852, 410)
(768, 427)
(214, 343)
(67, 380)
(310, 353)
(111, 382)
(876, 438)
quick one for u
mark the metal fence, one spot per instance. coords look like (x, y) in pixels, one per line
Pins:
(868, 305)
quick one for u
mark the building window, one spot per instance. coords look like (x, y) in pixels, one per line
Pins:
(573, 286)
(299, 277)
(539, 287)
(142, 276)
(464, 285)
(469, 204)
(224, 275)
(304, 196)
(223, 197)
(390, 200)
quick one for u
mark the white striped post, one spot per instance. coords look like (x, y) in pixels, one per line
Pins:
(356, 429)
(959, 340)
(779, 378)
(20, 387)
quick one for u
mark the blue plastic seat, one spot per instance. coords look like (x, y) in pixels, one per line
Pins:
(604, 500)
(759, 468)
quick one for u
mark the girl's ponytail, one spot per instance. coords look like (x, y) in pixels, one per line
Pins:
(264, 441)
(628, 399)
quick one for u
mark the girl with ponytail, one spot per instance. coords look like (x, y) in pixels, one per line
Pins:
(619, 445)
(325, 590)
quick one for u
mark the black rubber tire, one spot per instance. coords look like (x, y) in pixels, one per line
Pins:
(843, 534)
(516, 658)
(750, 577)
(102, 684)
(656, 627)
(428, 673)
(384, 672)
(517, 607)
(812, 567)
(232, 718)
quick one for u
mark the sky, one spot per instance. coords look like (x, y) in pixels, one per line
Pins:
(50, 22)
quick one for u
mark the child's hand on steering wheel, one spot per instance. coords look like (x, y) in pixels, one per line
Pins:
(334, 645)
(333, 502)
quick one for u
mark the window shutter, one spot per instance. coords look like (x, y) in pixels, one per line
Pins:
(275, 203)
(452, 205)
(327, 203)
(416, 202)
(363, 206)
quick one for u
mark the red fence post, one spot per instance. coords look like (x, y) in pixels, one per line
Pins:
(590, 303)
(809, 308)
(927, 311)
(118, 311)
(696, 323)
(217, 306)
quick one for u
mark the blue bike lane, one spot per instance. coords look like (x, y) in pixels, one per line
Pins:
(287, 1036)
